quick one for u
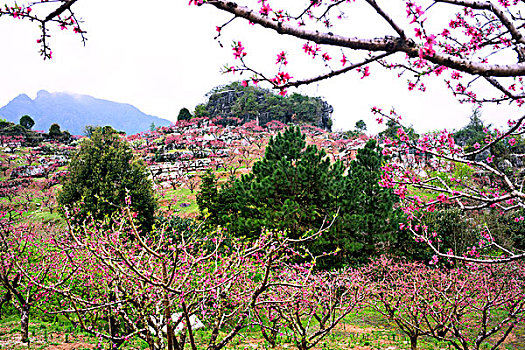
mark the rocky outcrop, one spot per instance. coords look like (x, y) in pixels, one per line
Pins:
(253, 103)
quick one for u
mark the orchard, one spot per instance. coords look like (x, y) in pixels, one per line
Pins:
(296, 237)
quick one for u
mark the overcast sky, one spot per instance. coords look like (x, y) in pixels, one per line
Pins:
(161, 56)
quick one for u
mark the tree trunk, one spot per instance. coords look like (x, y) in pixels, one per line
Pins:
(24, 322)
(413, 343)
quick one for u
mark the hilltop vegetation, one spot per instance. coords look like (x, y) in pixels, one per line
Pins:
(254, 103)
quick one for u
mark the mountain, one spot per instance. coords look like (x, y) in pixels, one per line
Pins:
(73, 112)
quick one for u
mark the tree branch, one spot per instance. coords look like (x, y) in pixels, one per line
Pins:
(387, 43)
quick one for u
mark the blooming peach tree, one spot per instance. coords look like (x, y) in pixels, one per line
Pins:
(45, 13)
(475, 47)
(117, 284)
(474, 306)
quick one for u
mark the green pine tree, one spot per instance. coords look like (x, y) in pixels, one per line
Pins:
(295, 188)
(368, 223)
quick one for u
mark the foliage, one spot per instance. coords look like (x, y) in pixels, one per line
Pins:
(295, 188)
(473, 133)
(89, 129)
(455, 229)
(509, 229)
(207, 196)
(360, 126)
(27, 122)
(176, 227)
(101, 174)
(184, 114)
(11, 133)
(367, 222)
(54, 131)
(254, 103)
(391, 131)
(200, 111)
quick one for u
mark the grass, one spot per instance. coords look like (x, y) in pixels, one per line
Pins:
(44, 335)
(176, 201)
(363, 330)
(46, 217)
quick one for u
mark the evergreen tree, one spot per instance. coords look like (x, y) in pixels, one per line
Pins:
(286, 190)
(27, 122)
(296, 188)
(360, 126)
(184, 114)
(368, 224)
(473, 132)
(207, 196)
(101, 173)
(54, 131)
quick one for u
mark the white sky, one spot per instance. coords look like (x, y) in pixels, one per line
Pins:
(160, 56)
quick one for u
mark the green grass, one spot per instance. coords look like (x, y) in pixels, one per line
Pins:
(365, 329)
(175, 198)
(48, 218)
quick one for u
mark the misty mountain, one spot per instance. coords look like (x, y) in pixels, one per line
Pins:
(73, 112)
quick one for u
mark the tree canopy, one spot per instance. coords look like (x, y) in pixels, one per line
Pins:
(27, 122)
(102, 173)
(184, 114)
(296, 188)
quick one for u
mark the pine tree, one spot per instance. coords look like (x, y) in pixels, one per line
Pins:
(207, 196)
(286, 190)
(295, 188)
(368, 220)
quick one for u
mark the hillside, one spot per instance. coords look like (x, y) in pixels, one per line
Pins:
(73, 112)
(251, 103)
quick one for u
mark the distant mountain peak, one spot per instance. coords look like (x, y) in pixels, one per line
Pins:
(73, 112)
(42, 94)
(22, 97)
